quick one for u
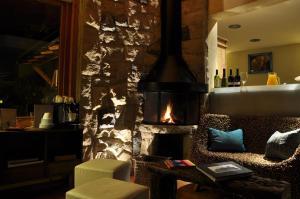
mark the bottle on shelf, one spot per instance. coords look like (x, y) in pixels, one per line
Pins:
(237, 78)
(230, 79)
(217, 80)
(224, 79)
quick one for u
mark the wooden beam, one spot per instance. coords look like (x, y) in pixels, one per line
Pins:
(68, 48)
(54, 2)
(50, 2)
(42, 74)
(228, 4)
(215, 6)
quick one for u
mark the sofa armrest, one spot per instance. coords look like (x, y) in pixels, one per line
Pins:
(294, 159)
(217, 121)
(200, 138)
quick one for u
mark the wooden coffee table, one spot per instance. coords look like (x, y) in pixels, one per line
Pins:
(164, 184)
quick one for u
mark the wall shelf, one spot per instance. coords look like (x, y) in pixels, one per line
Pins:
(260, 88)
(28, 157)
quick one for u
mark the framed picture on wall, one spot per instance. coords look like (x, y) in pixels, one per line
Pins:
(260, 63)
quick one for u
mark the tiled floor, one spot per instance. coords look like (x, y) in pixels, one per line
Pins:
(55, 194)
(185, 191)
(42, 192)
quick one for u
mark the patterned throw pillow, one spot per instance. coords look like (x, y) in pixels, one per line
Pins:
(219, 140)
(282, 145)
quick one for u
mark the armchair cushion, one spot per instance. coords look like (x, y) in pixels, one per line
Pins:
(219, 140)
(282, 145)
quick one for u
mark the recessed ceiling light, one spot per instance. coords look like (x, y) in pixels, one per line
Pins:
(254, 40)
(234, 26)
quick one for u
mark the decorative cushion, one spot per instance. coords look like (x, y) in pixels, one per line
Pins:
(219, 140)
(282, 145)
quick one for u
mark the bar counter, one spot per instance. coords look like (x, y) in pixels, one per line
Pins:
(256, 100)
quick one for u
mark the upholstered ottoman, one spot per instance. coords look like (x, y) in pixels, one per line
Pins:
(101, 168)
(107, 188)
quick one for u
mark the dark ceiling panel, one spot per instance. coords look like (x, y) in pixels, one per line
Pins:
(30, 19)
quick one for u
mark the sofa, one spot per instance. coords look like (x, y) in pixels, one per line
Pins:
(257, 130)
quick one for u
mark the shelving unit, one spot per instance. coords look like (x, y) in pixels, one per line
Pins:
(38, 156)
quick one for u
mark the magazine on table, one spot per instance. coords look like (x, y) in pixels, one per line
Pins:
(224, 171)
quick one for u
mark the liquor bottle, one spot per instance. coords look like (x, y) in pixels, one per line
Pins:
(230, 79)
(217, 80)
(237, 78)
(224, 79)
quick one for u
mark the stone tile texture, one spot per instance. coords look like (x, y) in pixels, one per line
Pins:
(121, 41)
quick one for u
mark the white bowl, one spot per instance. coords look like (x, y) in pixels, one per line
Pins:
(47, 115)
(46, 121)
(45, 126)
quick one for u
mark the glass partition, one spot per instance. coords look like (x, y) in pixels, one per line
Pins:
(29, 58)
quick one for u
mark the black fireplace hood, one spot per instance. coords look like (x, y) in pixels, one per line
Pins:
(170, 82)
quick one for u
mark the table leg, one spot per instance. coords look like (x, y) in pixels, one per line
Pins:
(163, 187)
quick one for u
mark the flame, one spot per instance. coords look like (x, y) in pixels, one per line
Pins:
(167, 117)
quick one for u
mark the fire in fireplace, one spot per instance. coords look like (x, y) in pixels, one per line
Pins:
(168, 116)
(171, 92)
(171, 108)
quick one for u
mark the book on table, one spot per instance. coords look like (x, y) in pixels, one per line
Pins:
(178, 163)
(222, 171)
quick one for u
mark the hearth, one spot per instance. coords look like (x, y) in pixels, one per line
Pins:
(168, 145)
(171, 91)
(166, 142)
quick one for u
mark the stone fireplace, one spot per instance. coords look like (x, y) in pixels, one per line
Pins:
(120, 43)
(169, 141)
(160, 142)
(170, 90)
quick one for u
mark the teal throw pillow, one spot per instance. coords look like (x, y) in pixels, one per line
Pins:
(282, 145)
(219, 140)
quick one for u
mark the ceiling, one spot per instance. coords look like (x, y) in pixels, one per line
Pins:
(26, 26)
(28, 18)
(25, 22)
(275, 24)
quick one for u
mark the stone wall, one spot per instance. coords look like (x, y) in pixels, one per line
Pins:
(121, 41)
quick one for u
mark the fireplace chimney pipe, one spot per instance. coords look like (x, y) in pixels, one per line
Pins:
(170, 78)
